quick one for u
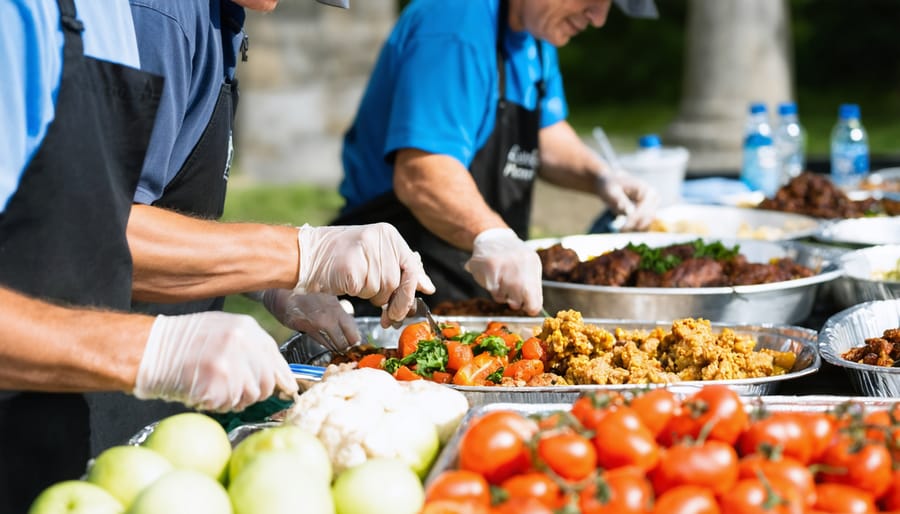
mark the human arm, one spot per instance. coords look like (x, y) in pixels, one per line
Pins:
(442, 195)
(567, 162)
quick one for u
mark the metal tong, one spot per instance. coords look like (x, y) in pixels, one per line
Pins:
(423, 310)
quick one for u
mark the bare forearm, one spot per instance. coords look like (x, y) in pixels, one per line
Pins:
(44, 347)
(442, 195)
(179, 258)
(566, 161)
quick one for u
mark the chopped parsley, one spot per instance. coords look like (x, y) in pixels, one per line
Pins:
(496, 377)
(466, 337)
(495, 345)
(430, 356)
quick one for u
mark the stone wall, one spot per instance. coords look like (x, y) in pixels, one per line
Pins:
(308, 65)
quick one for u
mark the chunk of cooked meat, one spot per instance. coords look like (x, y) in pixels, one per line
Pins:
(610, 269)
(814, 194)
(558, 262)
(702, 272)
(877, 351)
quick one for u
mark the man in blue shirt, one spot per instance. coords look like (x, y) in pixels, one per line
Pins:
(464, 109)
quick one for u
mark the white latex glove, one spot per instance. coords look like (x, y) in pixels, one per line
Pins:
(625, 194)
(510, 270)
(318, 314)
(212, 361)
(368, 261)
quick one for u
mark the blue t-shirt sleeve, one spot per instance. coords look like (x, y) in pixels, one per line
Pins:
(554, 107)
(164, 50)
(432, 107)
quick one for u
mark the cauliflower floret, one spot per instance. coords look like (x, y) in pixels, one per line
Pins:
(445, 407)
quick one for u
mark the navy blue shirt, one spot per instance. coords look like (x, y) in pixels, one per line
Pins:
(185, 42)
(435, 88)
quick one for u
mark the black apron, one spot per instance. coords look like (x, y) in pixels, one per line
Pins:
(198, 189)
(62, 238)
(504, 170)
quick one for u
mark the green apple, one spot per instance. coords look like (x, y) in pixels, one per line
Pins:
(378, 486)
(75, 497)
(125, 471)
(192, 441)
(183, 491)
(271, 483)
(308, 450)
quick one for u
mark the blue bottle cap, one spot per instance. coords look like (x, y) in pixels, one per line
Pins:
(649, 141)
(787, 108)
(757, 107)
(848, 111)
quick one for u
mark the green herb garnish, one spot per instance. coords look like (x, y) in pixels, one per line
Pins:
(653, 259)
(716, 251)
(391, 365)
(466, 337)
(495, 345)
(496, 377)
(430, 356)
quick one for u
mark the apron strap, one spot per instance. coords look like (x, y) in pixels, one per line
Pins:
(72, 27)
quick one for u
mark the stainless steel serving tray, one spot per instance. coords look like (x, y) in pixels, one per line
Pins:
(785, 302)
(448, 458)
(850, 328)
(860, 283)
(801, 341)
(736, 222)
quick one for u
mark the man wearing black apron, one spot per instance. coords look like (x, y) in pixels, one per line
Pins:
(62, 237)
(470, 227)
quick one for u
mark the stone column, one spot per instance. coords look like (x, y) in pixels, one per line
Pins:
(308, 65)
(737, 51)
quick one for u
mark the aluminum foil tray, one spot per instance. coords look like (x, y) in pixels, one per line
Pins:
(859, 283)
(786, 302)
(734, 222)
(448, 457)
(801, 341)
(850, 328)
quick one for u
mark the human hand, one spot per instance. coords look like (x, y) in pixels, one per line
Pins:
(319, 315)
(368, 261)
(510, 270)
(212, 361)
(625, 194)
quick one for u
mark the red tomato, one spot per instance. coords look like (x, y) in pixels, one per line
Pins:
(655, 408)
(570, 455)
(476, 372)
(496, 445)
(711, 464)
(843, 498)
(373, 360)
(752, 496)
(622, 493)
(715, 405)
(863, 465)
(890, 500)
(533, 348)
(453, 507)
(534, 485)
(820, 430)
(686, 499)
(460, 485)
(441, 377)
(411, 335)
(784, 470)
(590, 408)
(525, 369)
(406, 374)
(522, 506)
(449, 329)
(458, 355)
(622, 440)
(783, 430)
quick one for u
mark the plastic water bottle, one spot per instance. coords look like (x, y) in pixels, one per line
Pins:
(649, 144)
(849, 148)
(790, 143)
(760, 166)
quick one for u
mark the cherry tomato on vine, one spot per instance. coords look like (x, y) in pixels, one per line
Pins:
(783, 430)
(753, 496)
(686, 499)
(711, 464)
(534, 485)
(622, 439)
(655, 408)
(860, 464)
(616, 493)
(787, 471)
(496, 445)
(843, 498)
(568, 454)
(460, 485)
(715, 406)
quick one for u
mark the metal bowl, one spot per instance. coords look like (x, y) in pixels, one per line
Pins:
(801, 341)
(859, 283)
(734, 222)
(850, 328)
(879, 230)
(785, 302)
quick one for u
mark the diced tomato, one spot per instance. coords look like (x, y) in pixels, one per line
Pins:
(477, 371)
(441, 377)
(404, 373)
(524, 369)
(373, 360)
(459, 354)
(449, 329)
(533, 348)
(411, 335)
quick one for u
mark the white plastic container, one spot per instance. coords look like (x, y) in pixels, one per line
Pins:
(663, 168)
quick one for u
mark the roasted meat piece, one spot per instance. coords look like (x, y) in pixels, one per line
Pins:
(558, 262)
(702, 272)
(876, 352)
(610, 269)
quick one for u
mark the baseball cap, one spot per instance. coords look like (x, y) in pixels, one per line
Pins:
(638, 8)
(344, 4)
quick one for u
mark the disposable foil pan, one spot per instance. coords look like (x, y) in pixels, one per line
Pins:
(734, 222)
(860, 283)
(449, 456)
(801, 341)
(850, 328)
(790, 301)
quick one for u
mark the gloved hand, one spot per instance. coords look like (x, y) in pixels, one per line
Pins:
(368, 261)
(317, 314)
(212, 361)
(625, 194)
(510, 270)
